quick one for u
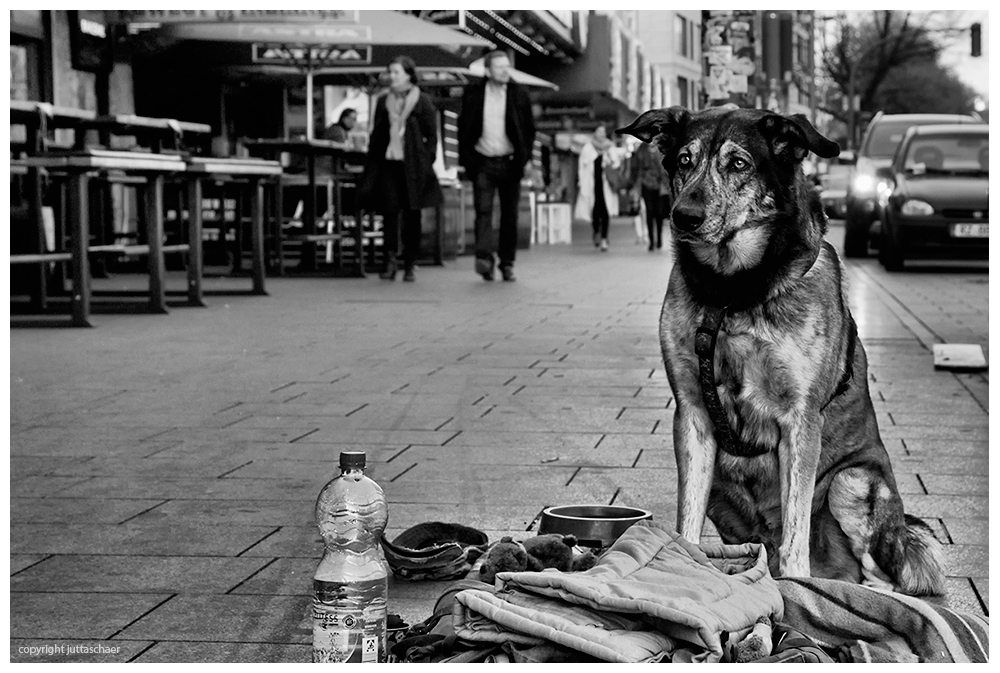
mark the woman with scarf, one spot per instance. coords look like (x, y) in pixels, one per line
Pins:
(399, 178)
(597, 201)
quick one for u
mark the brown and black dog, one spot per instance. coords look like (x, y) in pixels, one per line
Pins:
(774, 431)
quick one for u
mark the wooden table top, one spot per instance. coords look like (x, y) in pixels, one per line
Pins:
(230, 166)
(109, 159)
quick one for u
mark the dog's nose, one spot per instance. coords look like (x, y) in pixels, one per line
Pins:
(688, 217)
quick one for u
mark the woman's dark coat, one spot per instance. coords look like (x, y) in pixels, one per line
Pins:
(419, 150)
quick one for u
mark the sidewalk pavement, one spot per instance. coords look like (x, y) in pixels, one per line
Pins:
(164, 468)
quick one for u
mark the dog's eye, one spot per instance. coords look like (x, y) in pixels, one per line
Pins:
(684, 160)
(739, 164)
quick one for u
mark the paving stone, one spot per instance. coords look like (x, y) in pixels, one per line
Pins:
(945, 506)
(950, 465)
(961, 595)
(968, 531)
(301, 541)
(225, 653)
(955, 485)
(76, 510)
(176, 537)
(280, 577)
(209, 466)
(190, 489)
(78, 615)
(539, 490)
(480, 516)
(236, 512)
(967, 560)
(516, 455)
(31, 651)
(546, 441)
(431, 471)
(18, 562)
(388, 436)
(135, 574)
(227, 618)
(43, 486)
(982, 586)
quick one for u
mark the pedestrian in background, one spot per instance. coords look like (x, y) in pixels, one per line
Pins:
(399, 178)
(654, 184)
(597, 200)
(496, 131)
(341, 129)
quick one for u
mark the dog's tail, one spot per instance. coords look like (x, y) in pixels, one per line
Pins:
(920, 565)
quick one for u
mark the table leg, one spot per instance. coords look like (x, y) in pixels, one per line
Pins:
(257, 234)
(154, 236)
(279, 222)
(79, 208)
(309, 217)
(33, 187)
(195, 262)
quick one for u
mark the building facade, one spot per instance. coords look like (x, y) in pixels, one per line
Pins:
(671, 40)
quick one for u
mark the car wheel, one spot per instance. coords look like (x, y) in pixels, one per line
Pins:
(889, 252)
(855, 237)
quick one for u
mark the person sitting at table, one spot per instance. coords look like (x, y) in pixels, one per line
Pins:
(340, 130)
(399, 179)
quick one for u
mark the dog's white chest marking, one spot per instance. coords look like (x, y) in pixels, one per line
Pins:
(762, 379)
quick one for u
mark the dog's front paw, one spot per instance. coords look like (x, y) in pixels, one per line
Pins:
(791, 564)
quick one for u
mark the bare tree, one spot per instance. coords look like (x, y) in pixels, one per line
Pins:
(873, 46)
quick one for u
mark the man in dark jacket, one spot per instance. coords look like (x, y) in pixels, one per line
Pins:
(496, 131)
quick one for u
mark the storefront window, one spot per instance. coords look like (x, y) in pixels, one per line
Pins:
(19, 72)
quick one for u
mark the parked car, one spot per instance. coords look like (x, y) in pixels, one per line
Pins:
(878, 146)
(833, 186)
(935, 204)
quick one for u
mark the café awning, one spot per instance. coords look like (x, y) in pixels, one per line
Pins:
(324, 43)
(478, 68)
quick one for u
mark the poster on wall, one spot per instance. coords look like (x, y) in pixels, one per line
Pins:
(730, 58)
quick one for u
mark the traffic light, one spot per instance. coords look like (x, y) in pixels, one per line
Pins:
(977, 39)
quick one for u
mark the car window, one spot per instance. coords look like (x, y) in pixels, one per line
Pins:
(885, 138)
(964, 153)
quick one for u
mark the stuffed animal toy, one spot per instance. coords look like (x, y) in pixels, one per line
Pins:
(535, 554)
(550, 551)
(505, 556)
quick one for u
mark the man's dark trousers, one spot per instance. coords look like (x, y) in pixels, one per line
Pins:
(497, 175)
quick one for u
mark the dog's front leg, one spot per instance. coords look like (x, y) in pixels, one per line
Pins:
(798, 458)
(694, 448)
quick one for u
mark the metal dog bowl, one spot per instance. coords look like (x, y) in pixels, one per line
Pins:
(593, 525)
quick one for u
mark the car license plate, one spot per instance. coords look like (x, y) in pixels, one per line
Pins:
(970, 230)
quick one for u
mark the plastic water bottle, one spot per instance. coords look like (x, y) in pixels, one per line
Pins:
(351, 584)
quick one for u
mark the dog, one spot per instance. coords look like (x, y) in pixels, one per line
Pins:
(774, 432)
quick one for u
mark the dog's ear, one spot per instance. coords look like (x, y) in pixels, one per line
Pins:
(653, 123)
(794, 137)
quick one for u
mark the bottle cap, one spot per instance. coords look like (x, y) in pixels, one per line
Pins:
(352, 459)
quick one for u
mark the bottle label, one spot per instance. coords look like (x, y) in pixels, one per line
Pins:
(349, 621)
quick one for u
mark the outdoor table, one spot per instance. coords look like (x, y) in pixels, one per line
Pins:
(38, 118)
(341, 154)
(256, 171)
(154, 129)
(79, 167)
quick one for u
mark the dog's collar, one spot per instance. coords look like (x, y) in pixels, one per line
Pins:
(705, 337)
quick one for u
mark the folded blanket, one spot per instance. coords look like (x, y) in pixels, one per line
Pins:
(651, 593)
(866, 624)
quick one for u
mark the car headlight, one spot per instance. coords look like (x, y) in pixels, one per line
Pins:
(916, 207)
(864, 184)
